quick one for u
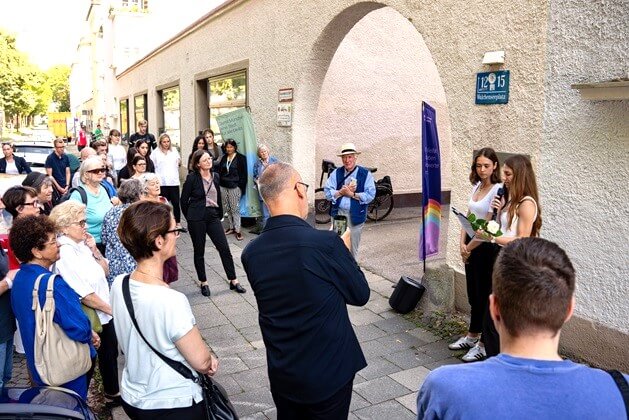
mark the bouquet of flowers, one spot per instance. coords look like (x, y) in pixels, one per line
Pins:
(490, 227)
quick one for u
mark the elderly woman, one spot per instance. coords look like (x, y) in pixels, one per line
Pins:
(150, 388)
(93, 171)
(150, 188)
(43, 186)
(264, 160)
(34, 242)
(88, 279)
(143, 146)
(21, 201)
(120, 261)
(11, 164)
(233, 171)
(201, 205)
(167, 161)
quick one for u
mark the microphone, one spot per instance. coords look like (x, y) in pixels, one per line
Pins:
(499, 195)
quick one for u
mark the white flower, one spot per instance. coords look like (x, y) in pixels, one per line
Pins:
(492, 227)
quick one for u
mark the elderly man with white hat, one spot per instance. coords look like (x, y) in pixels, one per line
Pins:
(350, 189)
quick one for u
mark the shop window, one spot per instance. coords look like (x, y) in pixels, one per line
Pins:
(140, 108)
(124, 118)
(171, 114)
(226, 93)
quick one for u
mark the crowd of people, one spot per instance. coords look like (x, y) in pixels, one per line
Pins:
(120, 216)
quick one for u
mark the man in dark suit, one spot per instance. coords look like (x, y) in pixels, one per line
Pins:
(303, 279)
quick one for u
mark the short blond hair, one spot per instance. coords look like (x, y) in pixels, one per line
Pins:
(67, 213)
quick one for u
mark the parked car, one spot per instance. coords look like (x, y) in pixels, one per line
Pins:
(42, 135)
(35, 153)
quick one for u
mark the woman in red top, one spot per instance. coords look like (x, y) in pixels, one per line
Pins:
(82, 140)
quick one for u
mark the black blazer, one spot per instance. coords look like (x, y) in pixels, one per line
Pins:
(193, 196)
(237, 174)
(20, 164)
(303, 279)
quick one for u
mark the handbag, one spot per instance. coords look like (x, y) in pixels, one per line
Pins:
(91, 314)
(58, 358)
(171, 271)
(216, 401)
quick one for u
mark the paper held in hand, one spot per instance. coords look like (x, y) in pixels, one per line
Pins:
(465, 224)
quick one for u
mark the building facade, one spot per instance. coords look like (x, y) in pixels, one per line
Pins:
(359, 71)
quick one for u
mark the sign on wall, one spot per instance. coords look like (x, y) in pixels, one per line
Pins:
(284, 115)
(492, 87)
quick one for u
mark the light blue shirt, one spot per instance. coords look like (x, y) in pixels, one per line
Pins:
(364, 197)
(97, 207)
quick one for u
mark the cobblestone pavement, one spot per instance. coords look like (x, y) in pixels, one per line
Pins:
(399, 355)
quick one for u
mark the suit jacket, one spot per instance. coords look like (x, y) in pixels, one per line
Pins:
(303, 279)
(239, 170)
(20, 163)
(193, 196)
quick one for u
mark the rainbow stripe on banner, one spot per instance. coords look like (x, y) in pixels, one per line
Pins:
(432, 221)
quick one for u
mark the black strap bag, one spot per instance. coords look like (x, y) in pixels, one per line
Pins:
(217, 404)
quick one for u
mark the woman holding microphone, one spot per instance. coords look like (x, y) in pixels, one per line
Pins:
(479, 256)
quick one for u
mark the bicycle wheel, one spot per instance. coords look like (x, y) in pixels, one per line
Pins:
(380, 207)
(322, 207)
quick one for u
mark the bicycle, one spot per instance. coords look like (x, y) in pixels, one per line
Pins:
(378, 209)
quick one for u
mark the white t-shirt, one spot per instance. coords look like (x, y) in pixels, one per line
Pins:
(82, 272)
(164, 316)
(167, 166)
(11, 168)
(118, 156)
(481, 207)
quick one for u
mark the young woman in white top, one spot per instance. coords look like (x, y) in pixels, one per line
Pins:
(85, 270)
(149, 387)
(479, 256)
(520, 217)
(167, 162)
(116, 154)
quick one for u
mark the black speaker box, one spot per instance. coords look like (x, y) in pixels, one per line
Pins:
(406, 295)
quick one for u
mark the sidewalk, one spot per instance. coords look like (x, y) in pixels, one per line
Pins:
(399, 355)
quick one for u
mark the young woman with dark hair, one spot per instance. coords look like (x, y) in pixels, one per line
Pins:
(143, 146)
(479, 256)
(233, 171)
(200, 143)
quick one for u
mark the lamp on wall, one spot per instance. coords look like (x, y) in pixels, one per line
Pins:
(494, 57)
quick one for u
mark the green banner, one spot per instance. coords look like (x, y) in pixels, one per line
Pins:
(238, 125)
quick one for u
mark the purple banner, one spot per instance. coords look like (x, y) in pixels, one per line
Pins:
(431, 185)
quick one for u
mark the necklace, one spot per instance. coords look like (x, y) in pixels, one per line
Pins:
(150, 275)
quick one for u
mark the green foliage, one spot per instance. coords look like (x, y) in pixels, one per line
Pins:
(58, 83)
(439, 323)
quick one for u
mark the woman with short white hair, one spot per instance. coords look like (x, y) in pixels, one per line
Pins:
(150, 188)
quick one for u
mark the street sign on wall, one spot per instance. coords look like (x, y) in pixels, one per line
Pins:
(492, 87)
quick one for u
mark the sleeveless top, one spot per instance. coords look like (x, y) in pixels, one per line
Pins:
(510, 231)
(481, 207)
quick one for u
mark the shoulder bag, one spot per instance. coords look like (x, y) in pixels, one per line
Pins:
(217, 404)
(58, 358)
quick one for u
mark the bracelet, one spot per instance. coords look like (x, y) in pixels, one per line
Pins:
(9, 281)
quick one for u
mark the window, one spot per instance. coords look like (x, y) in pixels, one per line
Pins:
(124, 118)
(227, 93)
(139, 107)
(135, 5)
(170, 108)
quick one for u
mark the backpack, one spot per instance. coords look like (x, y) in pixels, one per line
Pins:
(58, 358)
(81, 190)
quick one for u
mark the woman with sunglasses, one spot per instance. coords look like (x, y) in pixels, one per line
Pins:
(89, 280)
(202, 207)
(92, 172)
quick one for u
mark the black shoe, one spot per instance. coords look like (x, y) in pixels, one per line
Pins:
(237, 287)
(112, 402)
(205, 290)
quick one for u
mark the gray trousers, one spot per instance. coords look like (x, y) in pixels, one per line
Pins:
(354, 230)
(231, 200)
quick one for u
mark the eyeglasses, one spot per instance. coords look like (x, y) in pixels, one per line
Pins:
(51, 242)
(35, 204)
(302, 183)
(140, 164)
(81, 223)
(177, 231)
(98, 171)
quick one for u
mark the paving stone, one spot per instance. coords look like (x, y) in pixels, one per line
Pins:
(381, 389)
(220, 332)
(230, 346)
(255, 358)
(206, 322)
(425, 336)
(438, 350)
(374, 348)
(411, 378)
(377, 368)
(358, 402)
(443, 362)
(251, 333)
(271, 414)
(232, 364)
(245, 320)
(253, 401)
(409, 401)
(363, 317)
(385, 410)
(378, 304)
(397, 342)
(382, 287)
(395, 325)
(388, 314)
(368, 332)
(228, 382)
(258, 344)
(352, 416)
(252, 378)
(410, 358)
(256, 416)
(237, 309)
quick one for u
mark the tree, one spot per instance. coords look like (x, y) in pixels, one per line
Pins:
(59, 85)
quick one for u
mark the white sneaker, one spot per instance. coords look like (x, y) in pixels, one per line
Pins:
(476, 354)
(463, 343)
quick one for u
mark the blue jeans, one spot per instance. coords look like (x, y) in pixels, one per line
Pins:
(265, 213)
(6, 362)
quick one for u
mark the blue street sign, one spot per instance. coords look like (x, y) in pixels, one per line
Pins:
(492, 87)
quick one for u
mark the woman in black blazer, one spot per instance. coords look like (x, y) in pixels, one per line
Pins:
(21, 165)
(233, 170)
(202, 208)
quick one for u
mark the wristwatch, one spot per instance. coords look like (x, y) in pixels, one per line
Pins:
(493, 240)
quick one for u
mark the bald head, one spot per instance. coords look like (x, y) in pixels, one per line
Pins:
(87, 152)
(281, 189)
